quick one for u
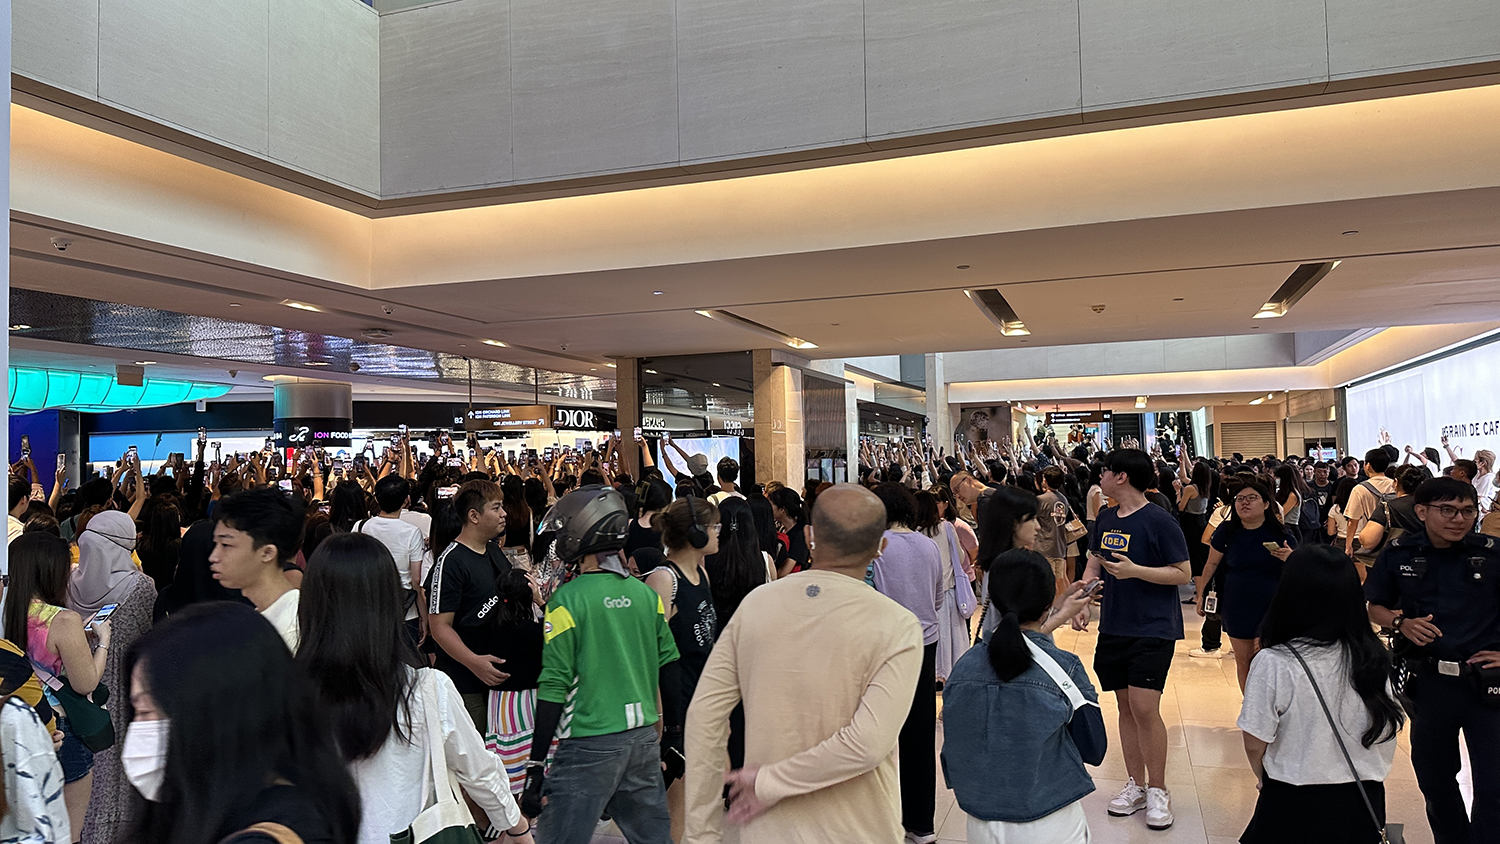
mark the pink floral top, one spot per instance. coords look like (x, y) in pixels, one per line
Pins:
(38, 626)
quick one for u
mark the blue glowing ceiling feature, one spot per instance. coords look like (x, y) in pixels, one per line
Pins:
(48, 389)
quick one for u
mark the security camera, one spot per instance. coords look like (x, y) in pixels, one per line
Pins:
(353, 367)
(233, 373)
(1098, 309)
(565, 347)
(61, 244)
(388, 309)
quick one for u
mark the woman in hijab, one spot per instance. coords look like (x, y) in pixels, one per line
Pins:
(193, 582)
(106, 575)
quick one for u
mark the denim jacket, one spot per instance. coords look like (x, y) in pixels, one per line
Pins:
(1006, 750)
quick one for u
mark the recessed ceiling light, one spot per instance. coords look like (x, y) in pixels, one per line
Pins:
(1256, 401)
(658, 292)
(20, 326)
(704, 313)
(1294, 288)
(717, 384)
(496, 343)
(611, 366)
(145, 363)
(651, 372)
(317, 363)
(1178, 299)
(963, 266)
(234, 304)
(463, 345)
(301, 306)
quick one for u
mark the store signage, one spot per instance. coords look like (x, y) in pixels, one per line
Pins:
(1075, 417)
(733, 426)
(509, 418)
(653, 423)
(563, 417)
(324, 432)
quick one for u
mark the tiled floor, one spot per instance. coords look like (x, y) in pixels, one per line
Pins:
(1213, 790)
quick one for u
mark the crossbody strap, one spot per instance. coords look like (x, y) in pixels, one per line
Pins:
(1333, 725)
(437, 758)
(1058, 675)
(50, 680)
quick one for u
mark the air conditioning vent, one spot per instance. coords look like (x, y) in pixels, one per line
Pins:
(376, 334)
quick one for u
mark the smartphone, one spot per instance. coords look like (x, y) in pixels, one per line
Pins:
(1271, 546)
(102, 615)
(446, 492)
(135, 455)
(547, 452)
(456, 462)
(285, 484)
(338, 466)
(360, 463)
(62, 462)
(25, 445)
(202, 436)
(510, 457)
(401, 430)
(1094, 588)
(617, 433)
(637, 433)
(666, 436)
(270, 443)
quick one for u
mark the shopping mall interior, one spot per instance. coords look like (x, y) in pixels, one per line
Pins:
(774, 232)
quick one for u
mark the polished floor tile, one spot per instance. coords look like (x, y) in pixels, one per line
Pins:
(1213, 791)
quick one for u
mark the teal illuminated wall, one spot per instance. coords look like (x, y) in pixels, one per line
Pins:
(43, 389)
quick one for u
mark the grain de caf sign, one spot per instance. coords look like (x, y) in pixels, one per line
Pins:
(532, 417)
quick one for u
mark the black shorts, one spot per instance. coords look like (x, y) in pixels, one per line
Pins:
(1138, 661)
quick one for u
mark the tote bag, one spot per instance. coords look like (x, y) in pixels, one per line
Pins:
(446, 821)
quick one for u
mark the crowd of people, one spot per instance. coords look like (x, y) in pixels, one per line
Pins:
(289, 648)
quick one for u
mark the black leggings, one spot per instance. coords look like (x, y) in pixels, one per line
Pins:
(918, 745)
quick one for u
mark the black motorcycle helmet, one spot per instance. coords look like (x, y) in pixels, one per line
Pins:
(588, 520)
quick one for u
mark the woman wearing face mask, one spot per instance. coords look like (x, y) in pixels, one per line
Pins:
(372, 683)
(106, 576)
(1252, 544)
(58, 646)
(215, 754)
(1010, 522)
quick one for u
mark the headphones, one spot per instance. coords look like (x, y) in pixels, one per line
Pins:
(697, 535)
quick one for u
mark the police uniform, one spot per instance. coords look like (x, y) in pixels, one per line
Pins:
(1459, 587)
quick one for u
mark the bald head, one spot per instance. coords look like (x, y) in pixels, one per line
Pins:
(848, 522)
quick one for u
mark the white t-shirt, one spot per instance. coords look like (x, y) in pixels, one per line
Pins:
(718, 498)
(421, 520)
(404, 540)
(1484, 485)
(282, 613)
(1282, 710)
(390, 782)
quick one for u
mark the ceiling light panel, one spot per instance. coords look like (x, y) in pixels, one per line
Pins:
(1294, 288)
(997, 310)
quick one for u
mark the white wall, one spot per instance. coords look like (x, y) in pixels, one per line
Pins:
(1454, 396)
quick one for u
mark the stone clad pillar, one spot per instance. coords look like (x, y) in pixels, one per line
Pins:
(628, 399)
(780, 444)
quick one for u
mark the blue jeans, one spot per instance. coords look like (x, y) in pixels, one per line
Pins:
(619, 773)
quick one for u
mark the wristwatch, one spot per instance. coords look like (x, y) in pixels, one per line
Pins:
(1396, 623)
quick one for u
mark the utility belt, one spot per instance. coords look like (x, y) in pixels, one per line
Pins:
(1485, 681)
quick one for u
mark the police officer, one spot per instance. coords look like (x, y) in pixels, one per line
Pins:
(1439, 589)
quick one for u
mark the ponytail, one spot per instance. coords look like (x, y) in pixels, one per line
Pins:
(1009, 655)
(1021, 590)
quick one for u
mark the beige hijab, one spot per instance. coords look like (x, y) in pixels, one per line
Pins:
(104, 563)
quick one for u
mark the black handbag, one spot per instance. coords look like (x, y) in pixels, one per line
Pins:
(1086, 727)
(1390, 833)
(87, 717)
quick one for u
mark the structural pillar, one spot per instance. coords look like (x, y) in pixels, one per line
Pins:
(629, 396)
(780, 442)
(941, 421)
(308, 412)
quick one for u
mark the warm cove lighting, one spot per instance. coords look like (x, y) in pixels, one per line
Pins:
(46, 389)
(496, 343)
(302, 306)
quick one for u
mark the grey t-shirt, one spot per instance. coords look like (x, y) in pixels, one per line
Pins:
(1052, 514)
(1282, 710)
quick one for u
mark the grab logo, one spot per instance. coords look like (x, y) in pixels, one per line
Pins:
(616, 603)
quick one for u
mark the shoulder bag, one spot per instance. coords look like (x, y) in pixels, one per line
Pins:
(1086, 727)
(87, 717)
(1390, 833)
(448, 820)
(963, 590)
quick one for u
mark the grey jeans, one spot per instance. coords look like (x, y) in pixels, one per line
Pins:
(619, 773)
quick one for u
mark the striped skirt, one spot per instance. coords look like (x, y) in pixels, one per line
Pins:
(511, 722)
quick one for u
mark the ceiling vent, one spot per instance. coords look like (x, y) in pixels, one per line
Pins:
(998, 311)
(1294, 288)
(376, 334)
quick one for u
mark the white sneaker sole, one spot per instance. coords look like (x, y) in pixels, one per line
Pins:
(1124, 813)
(1167, 825)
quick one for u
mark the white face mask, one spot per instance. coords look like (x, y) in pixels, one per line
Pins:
(144, 756)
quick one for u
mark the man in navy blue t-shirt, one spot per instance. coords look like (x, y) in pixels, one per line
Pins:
(1140, 551)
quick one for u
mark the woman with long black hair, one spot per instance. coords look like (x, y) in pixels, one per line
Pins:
(352, 617)
(1008, 751)
(1307, 792)
(1252, 545)
(739, 566)
(791, 521)
(1009, 522)
(225, 734)
(348, 506)
(1291, 493)
(767, 532)
(516, 541)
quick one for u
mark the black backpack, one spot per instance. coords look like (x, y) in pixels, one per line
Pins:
(1392, 529)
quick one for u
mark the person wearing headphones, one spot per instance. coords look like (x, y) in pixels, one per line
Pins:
(606, 640)
(690, 532)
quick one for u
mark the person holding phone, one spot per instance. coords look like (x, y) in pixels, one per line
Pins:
(1251, 545)
(107, 577)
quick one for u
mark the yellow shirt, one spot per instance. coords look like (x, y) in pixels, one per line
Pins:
(13, 664)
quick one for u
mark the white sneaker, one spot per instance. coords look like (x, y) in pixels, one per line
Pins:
(1158, 808)
(913, 838)
(1131, 799)
(1202, 653)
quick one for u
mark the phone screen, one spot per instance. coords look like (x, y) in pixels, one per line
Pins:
(285, 484)
(270, 443)
(510, 457)
(547, 452)
(401, 429)
(135, 455)
(202, 435)
(62, 462)
(444, 492)
(359, 462)
(25, 445)
(338, 465)
(102, 615)
(638, 433)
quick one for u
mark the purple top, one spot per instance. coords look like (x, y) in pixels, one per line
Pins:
(910, 572)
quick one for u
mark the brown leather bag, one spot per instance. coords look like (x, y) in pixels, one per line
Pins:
(275, 831)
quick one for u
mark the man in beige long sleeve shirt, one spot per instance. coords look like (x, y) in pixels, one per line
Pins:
(826, 668)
